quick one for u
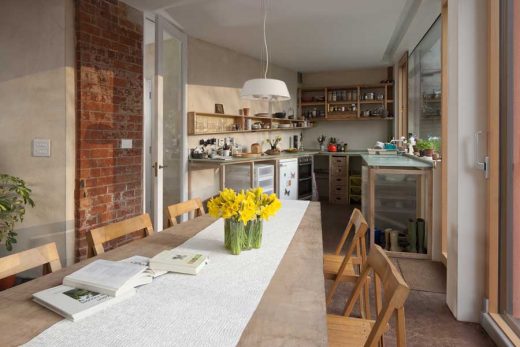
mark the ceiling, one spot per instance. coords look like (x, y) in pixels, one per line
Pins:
(303, 35)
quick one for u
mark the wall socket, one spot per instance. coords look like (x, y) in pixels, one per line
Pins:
(126, 143)
(41, 148)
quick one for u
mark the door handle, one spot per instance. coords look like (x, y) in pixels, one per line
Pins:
(484, 164)
(157, 167)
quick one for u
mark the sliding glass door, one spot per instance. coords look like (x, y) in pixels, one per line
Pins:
(509, 246)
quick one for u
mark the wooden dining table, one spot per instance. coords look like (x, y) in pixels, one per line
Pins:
(292, 310)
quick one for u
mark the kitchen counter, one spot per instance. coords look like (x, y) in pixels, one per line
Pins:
(235, 160)
(395, 161)
(282, 155)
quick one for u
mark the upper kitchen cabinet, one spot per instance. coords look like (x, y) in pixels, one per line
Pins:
(424, 118)
(358, 102)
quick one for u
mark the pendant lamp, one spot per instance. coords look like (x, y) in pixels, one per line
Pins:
(265, 88)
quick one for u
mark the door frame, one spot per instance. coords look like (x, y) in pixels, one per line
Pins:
(444, 132)
(492, 320)
(161, 25)
(402, 94)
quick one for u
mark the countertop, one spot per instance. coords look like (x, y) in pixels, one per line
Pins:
(281, 156)
(399, 161)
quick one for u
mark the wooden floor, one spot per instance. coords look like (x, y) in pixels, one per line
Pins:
(429, 322)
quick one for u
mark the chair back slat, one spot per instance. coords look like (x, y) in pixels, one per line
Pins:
(181, 208)
(358, 243)
(46, 255)
(99, 236)
(356, 218)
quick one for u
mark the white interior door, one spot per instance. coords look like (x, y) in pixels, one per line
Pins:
(169, 126)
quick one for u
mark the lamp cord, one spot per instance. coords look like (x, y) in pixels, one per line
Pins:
(265, 40)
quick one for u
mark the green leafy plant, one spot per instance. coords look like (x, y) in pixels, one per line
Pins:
(425, 144)
(436, 144)
(14, 196)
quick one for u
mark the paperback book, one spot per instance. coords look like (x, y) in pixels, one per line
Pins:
(178, 261)
(74, 303)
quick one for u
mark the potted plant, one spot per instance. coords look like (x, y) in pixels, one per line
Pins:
(14, 197)
(426, 147)
(274, 143)
(436, 146)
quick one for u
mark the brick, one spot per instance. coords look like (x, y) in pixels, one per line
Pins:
(109, 67)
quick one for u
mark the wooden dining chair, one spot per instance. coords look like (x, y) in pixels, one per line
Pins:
(97, 237)
(184, 207)
(347, 268)
(332, 261)
(46, 255)
(349, 331)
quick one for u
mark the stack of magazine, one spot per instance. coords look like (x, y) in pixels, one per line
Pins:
(103, 283)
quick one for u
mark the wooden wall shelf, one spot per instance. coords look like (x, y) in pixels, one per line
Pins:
(200, 123)
(346, 102)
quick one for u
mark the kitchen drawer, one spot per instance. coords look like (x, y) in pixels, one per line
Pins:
(338, 181)
(338, 199)
(338, 190)
(338, 162)
(339, 171)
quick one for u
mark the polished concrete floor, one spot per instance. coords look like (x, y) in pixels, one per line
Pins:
(429, 322)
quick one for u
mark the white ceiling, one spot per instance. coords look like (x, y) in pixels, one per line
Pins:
(304, 35)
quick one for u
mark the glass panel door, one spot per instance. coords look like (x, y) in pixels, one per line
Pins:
(509, 287)
(169, 128)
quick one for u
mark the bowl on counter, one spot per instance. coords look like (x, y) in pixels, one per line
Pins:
(279, 115)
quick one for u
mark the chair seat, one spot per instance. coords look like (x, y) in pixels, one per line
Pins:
(332, 263)
(348, 331)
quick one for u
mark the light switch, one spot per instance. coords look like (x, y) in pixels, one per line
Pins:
(126, 143)
(41, 148)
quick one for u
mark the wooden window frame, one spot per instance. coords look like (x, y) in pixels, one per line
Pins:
(444, 132)
(402, 75)
(495, 61)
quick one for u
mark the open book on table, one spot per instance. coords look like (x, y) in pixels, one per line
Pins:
(109, 277)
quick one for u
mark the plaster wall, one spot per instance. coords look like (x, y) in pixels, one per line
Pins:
(467, 88)
(37, 101)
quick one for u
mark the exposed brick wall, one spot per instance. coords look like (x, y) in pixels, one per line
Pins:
(109, 65)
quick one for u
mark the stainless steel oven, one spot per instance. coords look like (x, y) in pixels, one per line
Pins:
(305, 177)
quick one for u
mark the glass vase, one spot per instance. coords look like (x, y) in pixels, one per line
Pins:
(227, 226)
(236, 236)
(255, 233)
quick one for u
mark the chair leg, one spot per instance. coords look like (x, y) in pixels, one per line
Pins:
(366, 288)
(400, 331)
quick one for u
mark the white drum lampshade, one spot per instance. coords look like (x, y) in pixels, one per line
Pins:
(265, 89)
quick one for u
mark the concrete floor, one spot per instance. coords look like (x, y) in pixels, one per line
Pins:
(429, 322)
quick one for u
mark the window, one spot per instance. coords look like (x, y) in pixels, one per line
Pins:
(509, 235)
(424, 83)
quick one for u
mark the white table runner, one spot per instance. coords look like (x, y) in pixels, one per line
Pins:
(210, 309)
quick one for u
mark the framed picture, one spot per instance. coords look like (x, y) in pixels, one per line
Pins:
(219, 108)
